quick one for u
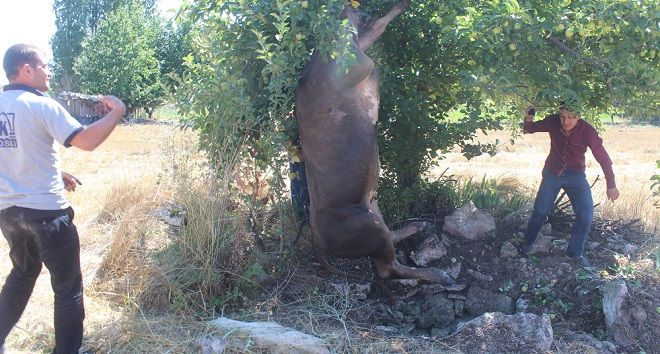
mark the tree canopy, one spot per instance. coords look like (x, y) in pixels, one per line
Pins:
(120, 58)
(74, 21)
(448, 69)
(97, 50)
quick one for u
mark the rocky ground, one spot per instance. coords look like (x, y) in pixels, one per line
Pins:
(503, 302)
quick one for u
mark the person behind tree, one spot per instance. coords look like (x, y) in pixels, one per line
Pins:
(36, 218)
(565, 169)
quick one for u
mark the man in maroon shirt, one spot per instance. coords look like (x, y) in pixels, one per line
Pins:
(564, 168)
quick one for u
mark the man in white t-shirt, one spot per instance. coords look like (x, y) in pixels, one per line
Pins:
(36, 219)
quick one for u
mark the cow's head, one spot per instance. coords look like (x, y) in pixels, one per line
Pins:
(357, 18)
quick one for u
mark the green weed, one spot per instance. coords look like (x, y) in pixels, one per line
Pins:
(490, 195)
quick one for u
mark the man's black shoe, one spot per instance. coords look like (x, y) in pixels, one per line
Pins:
(526, 249)
(582, 261)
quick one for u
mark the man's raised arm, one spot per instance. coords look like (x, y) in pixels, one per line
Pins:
(92, 136)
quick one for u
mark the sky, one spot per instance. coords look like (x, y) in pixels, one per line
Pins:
(33, 22)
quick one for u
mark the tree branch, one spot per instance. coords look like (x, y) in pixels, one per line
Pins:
(559, 44)
(564, 48)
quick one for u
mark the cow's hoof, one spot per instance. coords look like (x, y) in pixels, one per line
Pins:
(425, 226)
(445, 279)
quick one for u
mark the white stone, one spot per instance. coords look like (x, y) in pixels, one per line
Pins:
(533, 333)
(469, 223)
(614, 294)
(272, 337)
(429, 250)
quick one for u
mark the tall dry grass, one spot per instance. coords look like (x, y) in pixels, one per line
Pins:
(123, 186)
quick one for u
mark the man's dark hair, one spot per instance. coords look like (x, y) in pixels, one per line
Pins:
(570, 105)
(19, 55)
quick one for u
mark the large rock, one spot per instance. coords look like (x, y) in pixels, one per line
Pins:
(469, 223)
(542, 244)
(430, 310)
(498, 333)
(614, 295)
(620, 320)
(480, 301)
(508, 250)
(271, 337)
(436, 311)
(429, 250)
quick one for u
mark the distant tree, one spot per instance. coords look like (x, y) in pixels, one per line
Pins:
(173, 45)
(75, 20)
(71, 26)
(120, 59)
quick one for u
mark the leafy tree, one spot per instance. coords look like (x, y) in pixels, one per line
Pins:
(67, 41)
(120, 59)
(75, 20)
(469, 64)
(448, 69)
(596, 55)
(173, 45)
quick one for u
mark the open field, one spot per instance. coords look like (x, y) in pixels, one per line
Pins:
(133, 159)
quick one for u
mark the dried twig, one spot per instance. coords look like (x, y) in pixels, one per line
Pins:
(561, 206)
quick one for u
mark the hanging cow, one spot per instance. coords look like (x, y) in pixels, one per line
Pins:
(337, 112)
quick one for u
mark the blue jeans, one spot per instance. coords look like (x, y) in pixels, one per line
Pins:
(577, 188)
(46, 237)
(299, 190)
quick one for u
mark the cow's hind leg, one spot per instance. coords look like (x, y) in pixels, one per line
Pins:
(389, 268)
(428, 274)
(409, 230)
(406, 231)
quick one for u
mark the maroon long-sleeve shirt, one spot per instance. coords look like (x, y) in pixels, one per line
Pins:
(567, 152)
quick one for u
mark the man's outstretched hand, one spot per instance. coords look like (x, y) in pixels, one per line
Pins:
(70, 182)
(612, 194)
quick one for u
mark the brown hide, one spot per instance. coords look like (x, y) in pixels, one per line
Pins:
(337, 114)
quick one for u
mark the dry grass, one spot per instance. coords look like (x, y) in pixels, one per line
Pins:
(633, 150)
(120, 189)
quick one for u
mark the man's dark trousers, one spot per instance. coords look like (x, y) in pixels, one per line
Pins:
(579, 193)
(51, 238)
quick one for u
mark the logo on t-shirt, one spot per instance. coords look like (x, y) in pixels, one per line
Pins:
(7, 131)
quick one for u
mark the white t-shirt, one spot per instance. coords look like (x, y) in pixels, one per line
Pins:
(32, 127)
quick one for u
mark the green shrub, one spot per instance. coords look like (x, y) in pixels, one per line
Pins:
(499, 198)
(424, 199)
(433, 200)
